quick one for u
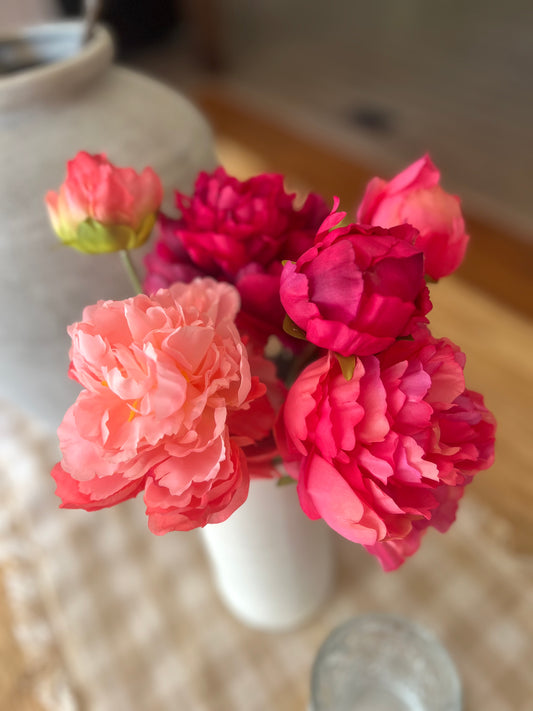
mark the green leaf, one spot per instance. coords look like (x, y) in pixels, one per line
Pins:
(285, 481)
(347, 364)
(292, 329)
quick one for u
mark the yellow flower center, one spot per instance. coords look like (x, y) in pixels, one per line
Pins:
(133, 409)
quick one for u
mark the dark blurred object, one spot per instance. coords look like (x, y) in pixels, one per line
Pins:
(71, 8)
(203, 18)
(135, 23)
(373, 118)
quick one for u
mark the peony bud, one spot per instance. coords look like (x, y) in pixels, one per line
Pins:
(415, 197)
(102, 208)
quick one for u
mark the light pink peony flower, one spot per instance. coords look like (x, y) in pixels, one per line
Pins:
(415, 197)
(102, 208)
(387, 454)
(358, 288)
(238, 231)
(161, 376)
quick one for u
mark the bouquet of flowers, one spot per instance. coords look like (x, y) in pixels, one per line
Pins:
(271, 340)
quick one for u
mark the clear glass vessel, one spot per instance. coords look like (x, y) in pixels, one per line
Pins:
(381, 662)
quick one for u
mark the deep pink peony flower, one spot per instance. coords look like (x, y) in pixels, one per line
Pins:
(387, 454)
(238, 231)
(415, 197)
(102, 208)
(161, 376)
(358, 288)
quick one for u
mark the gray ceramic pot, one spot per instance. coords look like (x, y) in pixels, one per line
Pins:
(57, 97)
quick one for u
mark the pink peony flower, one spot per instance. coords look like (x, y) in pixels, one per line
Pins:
(385, 455)
(102, 208)
(238, 231)
(415, 197)
(161, 377)
(358, 288)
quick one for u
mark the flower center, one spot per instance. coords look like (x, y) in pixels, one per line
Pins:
(133, 409)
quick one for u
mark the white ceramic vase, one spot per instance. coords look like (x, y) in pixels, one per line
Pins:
(57, 97)
(273, 567)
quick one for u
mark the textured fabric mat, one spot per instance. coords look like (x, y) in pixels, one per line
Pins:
(112, 618)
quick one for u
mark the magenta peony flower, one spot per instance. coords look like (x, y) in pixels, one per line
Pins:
(161, 377)
(238, 231)
(385, 455)
(358, 288)
(102, 208)
(415, 197)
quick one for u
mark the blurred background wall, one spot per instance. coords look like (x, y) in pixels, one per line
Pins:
(389, 80)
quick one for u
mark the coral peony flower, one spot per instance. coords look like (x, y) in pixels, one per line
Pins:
(415, 197)
(161, 376)
(385, 455)
(102, 208)
(238, 231)
(358, 288)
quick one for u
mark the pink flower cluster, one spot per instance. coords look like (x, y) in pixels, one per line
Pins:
(378, 427)
(383, 453)
(240, 232)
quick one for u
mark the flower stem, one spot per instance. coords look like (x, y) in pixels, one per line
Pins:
(131, 271)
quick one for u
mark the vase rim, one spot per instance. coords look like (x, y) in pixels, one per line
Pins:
(50, 60)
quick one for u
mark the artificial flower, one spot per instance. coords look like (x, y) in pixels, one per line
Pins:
(415, 197)
(103, 208)
(161, 376)
(386, 454)
(238, 231)
(358, 288)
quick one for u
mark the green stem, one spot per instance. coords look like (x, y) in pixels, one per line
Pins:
(131, 271)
